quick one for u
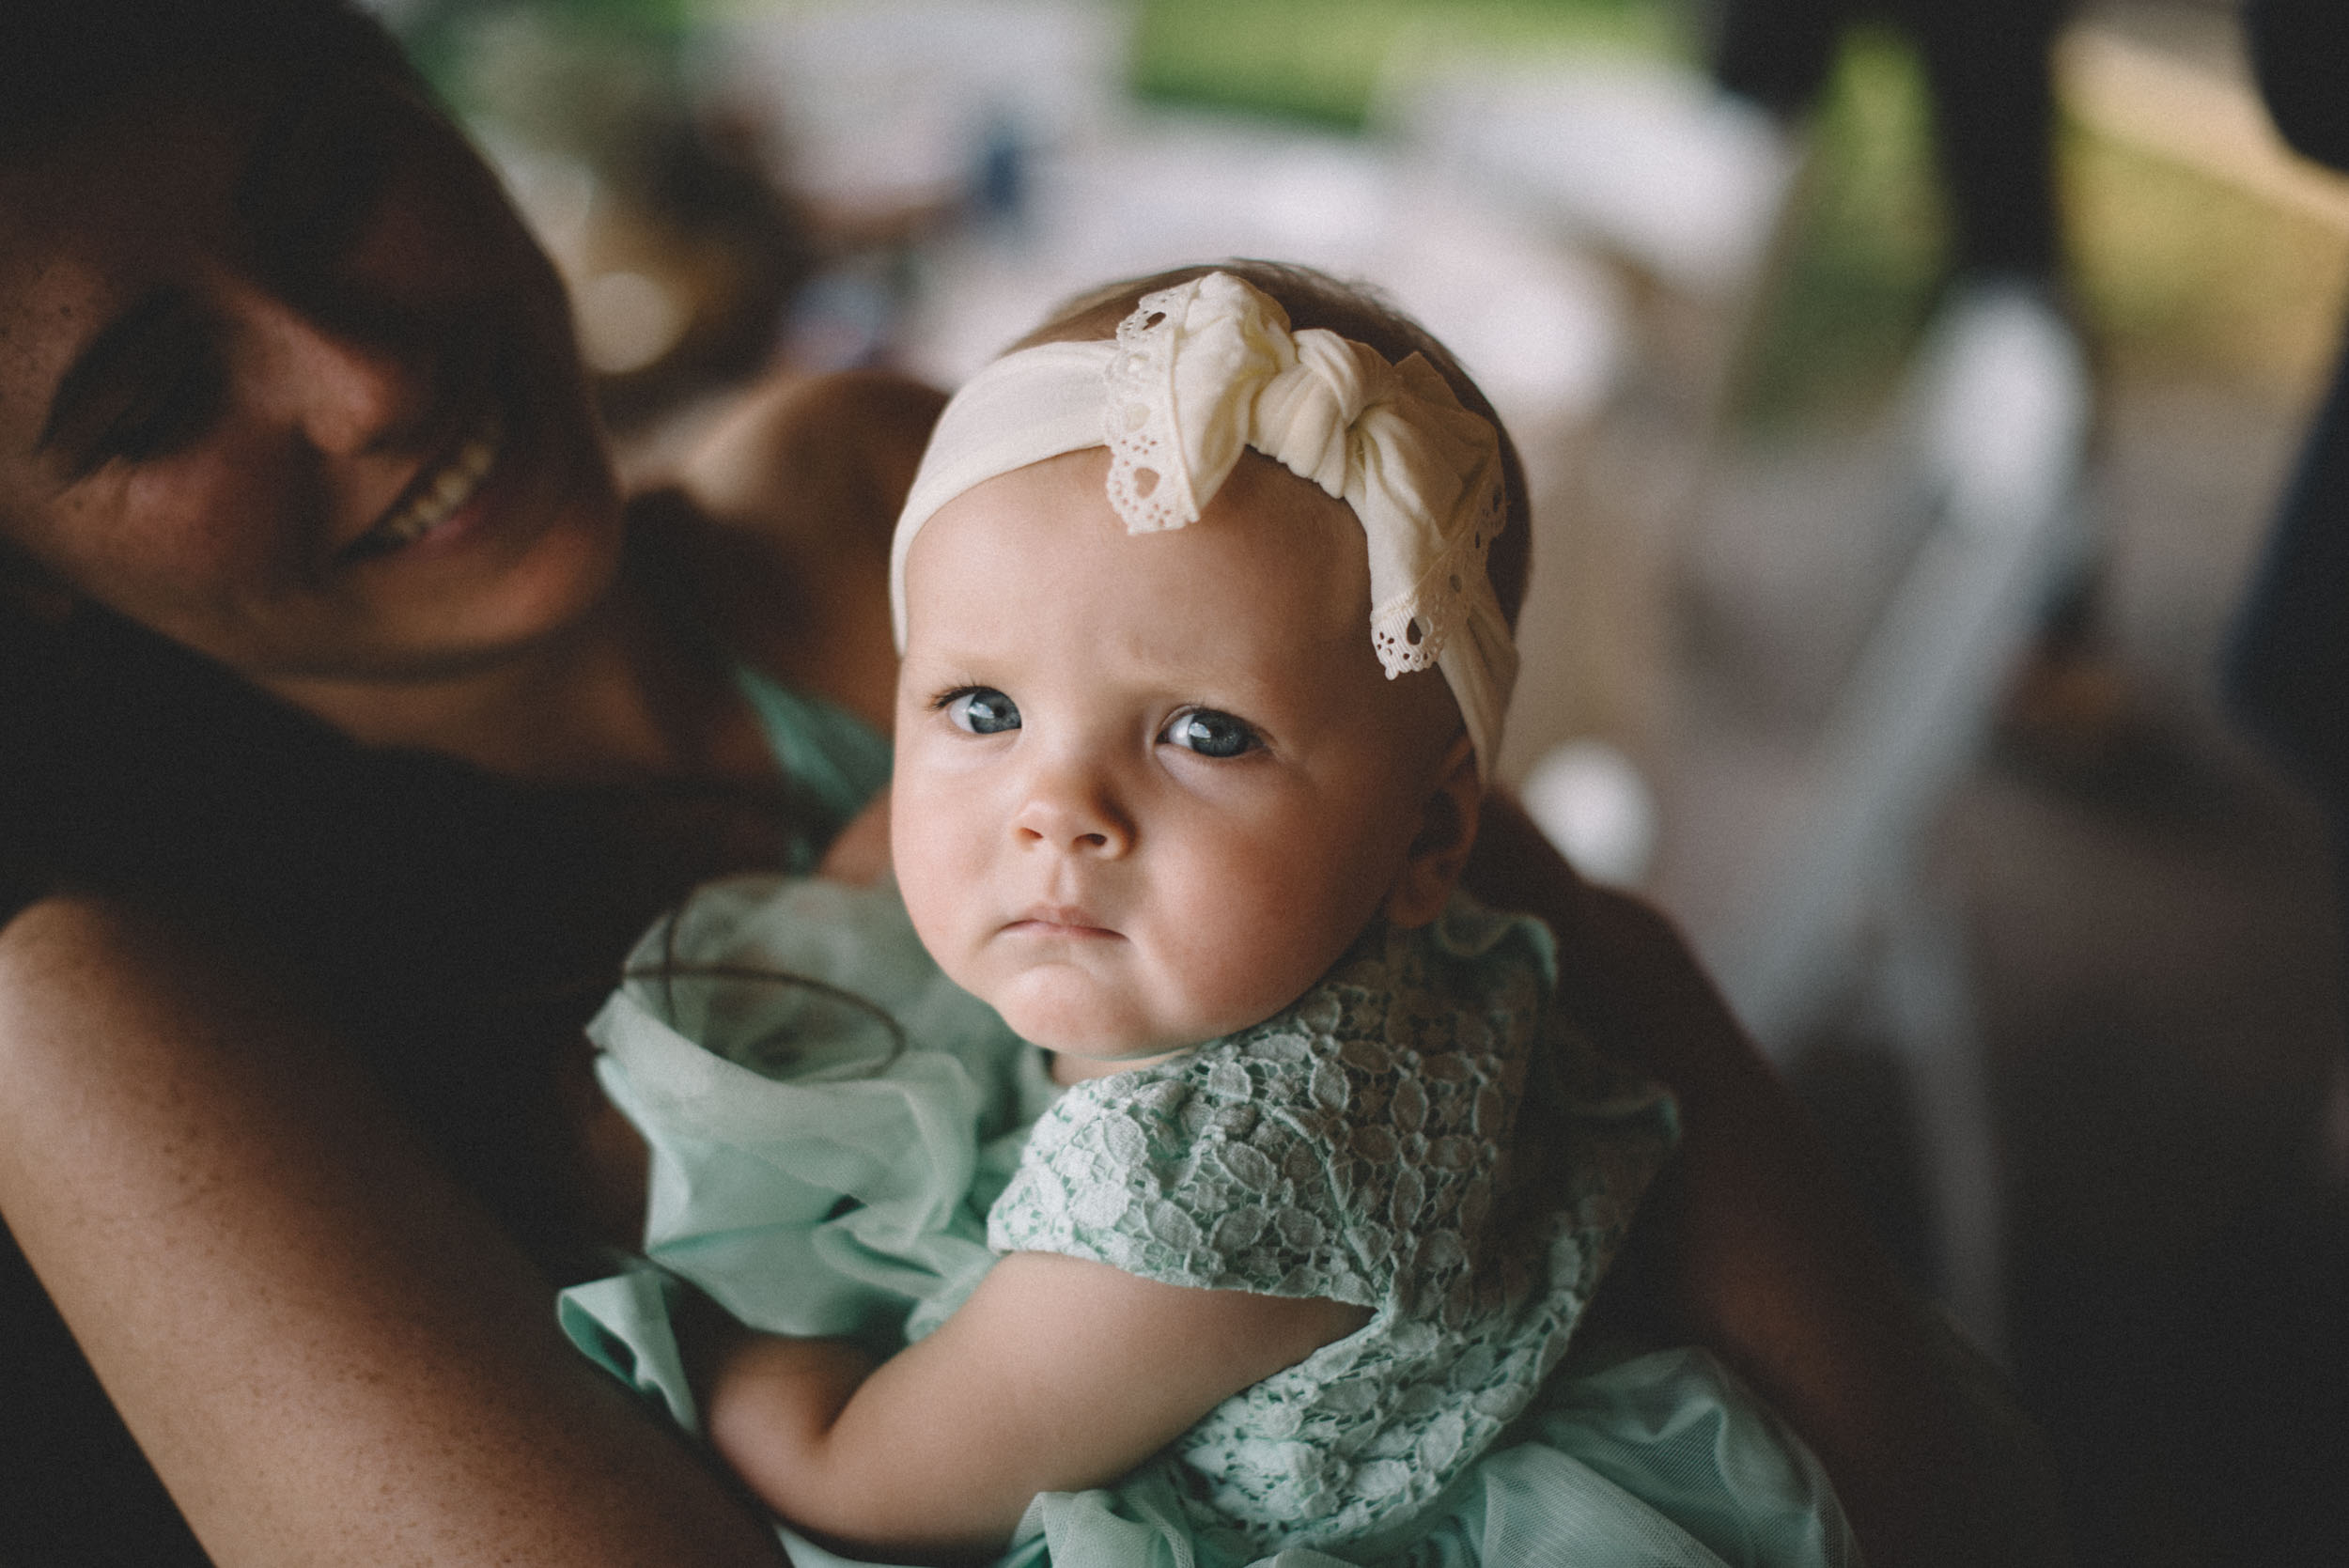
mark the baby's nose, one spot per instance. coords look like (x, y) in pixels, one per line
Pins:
(1067, 810)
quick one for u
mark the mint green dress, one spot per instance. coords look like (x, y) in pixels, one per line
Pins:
(834, 759)
(843, 1147)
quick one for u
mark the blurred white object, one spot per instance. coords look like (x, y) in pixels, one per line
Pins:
(1538, 326)
(1997, 412)
(1643, 155)
(1592, 803)
(554, 191)
(881, 104)
(1997, 407)
(626, 319)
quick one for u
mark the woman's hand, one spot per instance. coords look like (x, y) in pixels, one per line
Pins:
(1752, 1244)
(804, 479)
(860, 856)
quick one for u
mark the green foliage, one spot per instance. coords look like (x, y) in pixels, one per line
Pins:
(1868, 245)
(442, 35)
(1321, 60)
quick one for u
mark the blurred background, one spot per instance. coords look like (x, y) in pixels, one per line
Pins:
(1890, 525)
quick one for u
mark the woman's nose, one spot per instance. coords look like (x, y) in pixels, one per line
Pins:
(350, 396)
(1073, 809)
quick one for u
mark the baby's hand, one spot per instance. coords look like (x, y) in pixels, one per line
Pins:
(1058, 1375)
(861, 854)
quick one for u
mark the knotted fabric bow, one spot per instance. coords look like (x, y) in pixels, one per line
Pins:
(1208, 368)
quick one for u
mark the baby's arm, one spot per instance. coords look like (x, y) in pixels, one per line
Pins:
(1058, 1375)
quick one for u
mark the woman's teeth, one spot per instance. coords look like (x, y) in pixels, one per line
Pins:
(436, 502)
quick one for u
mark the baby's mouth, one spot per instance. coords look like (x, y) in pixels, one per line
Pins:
(433, 498)
(1059, 921)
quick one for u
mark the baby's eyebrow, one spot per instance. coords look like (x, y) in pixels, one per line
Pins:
(108, 354)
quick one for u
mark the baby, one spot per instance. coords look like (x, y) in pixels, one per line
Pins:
(1204, 672)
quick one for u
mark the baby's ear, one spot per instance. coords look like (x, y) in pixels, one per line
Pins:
(1447, 828)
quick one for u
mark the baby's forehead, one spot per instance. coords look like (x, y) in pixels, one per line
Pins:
(1290, 523)
(1264, 601)
(1272, 562)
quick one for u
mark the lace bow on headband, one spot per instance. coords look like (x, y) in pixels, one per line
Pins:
(1207, 369)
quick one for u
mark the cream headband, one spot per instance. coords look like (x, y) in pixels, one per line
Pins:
(1200, 372)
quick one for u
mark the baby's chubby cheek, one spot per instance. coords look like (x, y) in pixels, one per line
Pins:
(947, 894)
(924, 890)
(1162, 990)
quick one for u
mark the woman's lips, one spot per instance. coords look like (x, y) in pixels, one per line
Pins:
(435, 497)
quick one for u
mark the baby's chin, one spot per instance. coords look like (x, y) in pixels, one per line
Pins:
(1083, 1039)
(1075, 1018)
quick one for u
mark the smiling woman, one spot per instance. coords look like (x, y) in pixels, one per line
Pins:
(272, 325)
(295, 456)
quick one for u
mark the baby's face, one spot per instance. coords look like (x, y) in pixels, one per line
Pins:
(1149, 786)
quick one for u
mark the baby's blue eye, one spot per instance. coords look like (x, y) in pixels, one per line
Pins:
(982, 711)
(1211, 734)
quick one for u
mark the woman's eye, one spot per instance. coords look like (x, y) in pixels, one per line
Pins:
(982, 711)
(151, 399)
(168, 413)
(1211, 734)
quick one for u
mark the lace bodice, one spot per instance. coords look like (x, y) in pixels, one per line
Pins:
(1421, 1135)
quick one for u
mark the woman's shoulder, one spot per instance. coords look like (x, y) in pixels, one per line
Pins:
(43, 936)
(77, 968)
(814, 462)
(774, 527)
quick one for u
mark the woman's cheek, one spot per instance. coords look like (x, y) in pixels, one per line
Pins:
(140, 543)
(204, 521)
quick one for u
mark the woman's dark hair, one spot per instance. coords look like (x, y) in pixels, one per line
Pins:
(1354, 310)
(64, 62)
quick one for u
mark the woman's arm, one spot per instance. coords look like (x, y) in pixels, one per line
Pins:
(1058, 1375)
(330, 1354)
(1754, 1246)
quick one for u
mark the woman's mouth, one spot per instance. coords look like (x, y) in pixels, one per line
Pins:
(436, 497)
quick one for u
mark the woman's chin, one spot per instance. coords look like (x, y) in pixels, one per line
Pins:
(434, 618)
(508, 588)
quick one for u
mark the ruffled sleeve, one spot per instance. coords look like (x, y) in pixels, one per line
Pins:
(1210, 1171)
